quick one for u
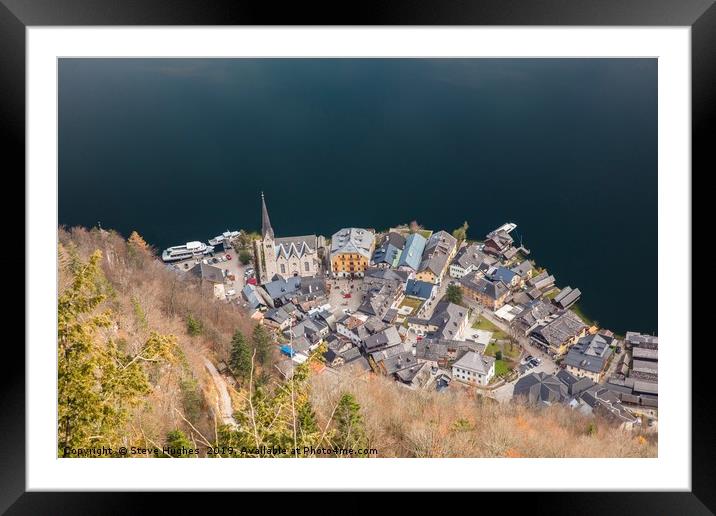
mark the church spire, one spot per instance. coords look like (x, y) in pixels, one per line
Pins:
(266, 228)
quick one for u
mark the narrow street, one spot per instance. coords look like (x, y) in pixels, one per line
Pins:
(547, 365)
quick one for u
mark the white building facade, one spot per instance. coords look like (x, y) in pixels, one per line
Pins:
(289, 256)
(474, 368)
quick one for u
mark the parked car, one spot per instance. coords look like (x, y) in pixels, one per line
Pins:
(228, 257)
(526, 359)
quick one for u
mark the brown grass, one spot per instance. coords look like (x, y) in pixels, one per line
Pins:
(141, 280)
(400, 422)
(406, 423)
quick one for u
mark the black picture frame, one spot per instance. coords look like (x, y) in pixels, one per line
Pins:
(17, 15)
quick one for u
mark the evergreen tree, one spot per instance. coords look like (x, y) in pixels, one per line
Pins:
(350, 429)
(245, 257)
(283, 418)
(193, 326)
(240, 360)
(262, 344)
(97, 381)
(178, 444)
(454, 294)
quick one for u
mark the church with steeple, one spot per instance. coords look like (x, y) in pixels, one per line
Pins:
(287, 256)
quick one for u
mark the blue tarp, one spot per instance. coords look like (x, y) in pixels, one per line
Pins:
(286, 350)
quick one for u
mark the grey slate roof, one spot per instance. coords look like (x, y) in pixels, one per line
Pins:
(249, 293)
(409, 374)
(574, 385)
(564, 327)
(353, 240)
(278, 315)
(535, 311)
(492, 289)
(542, 280)
(590, 353)
(292, 286)
(309, 326)
(501, 274)
(211, 273)
(523, 268)
(437, 251)
(541, 388)
(567, 297)
(375, 274)
(395, 239)
(434, 349)
(642, 340)
(385, 338)
(279, 288)
(386, 253)
(477, 362)
(447, 317)
(266, 228)
(295, 246)
(645, 354)
(471, 256)
(419, 289)
(404, 360)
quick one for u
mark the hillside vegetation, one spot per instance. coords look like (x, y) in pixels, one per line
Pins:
(133, 338)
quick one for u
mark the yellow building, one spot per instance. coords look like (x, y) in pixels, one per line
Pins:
(351, 250)
(439, 250)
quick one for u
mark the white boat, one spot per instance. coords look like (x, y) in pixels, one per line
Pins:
(509, 227)
(225, 238)
(186, 251)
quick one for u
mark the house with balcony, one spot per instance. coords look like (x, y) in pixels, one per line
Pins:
(351, 252)
(439, 251)
(491, 294)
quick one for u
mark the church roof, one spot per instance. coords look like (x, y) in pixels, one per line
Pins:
(266, 228)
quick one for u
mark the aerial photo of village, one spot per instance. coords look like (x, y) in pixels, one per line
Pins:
(384, 336)
(427, 310)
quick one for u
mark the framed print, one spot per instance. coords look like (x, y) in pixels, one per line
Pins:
(431, 247)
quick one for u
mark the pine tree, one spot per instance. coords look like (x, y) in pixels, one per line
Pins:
(262, 344)
(97, 382)
(283, 418)
(240, 360)
(177, 445)
(454, 294)
(350, 429)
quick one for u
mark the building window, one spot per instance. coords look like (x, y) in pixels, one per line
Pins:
(283, 269)
(306, 266)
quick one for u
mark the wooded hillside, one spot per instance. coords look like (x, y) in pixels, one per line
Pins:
(133, 343)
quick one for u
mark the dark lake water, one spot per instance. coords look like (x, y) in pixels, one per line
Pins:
(566, 148)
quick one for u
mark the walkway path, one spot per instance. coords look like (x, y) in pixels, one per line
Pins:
(226, 411)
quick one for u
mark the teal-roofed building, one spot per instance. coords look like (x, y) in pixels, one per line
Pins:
(413, 252)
